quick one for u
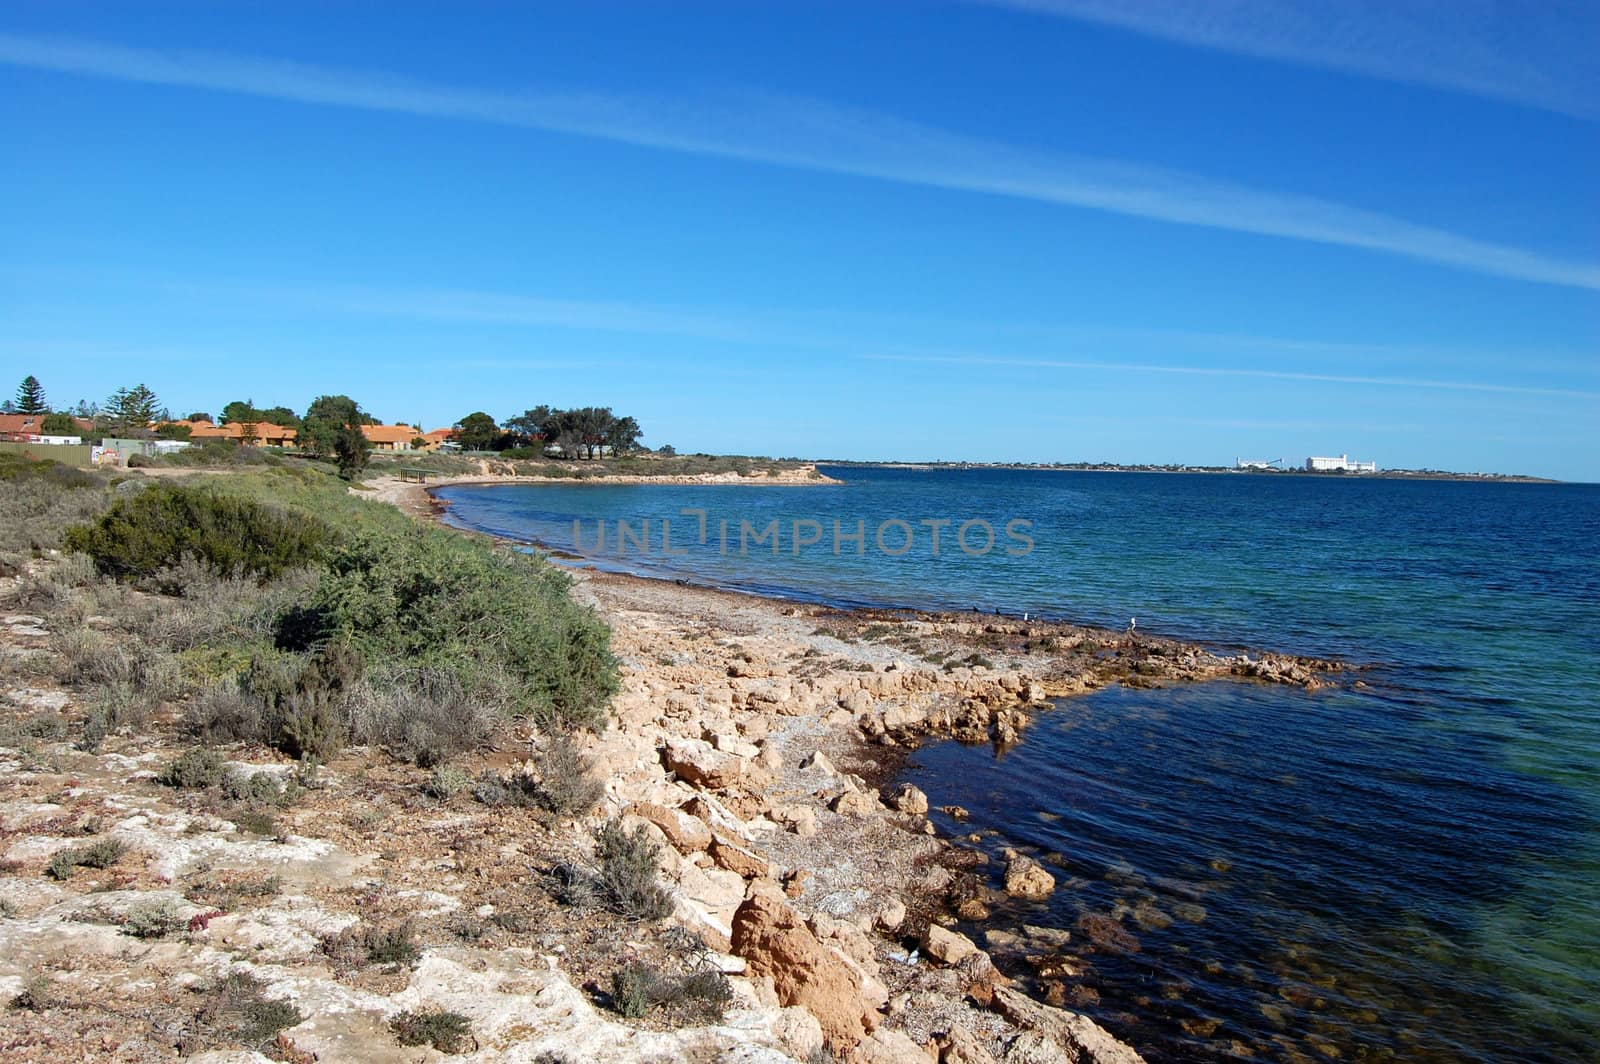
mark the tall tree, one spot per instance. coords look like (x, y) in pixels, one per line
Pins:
(247, 417)
(282, 416)
(529, 425)
(240, 411)
(58, 425)
(351, 449)
(477, 432)
(30, 397)
(333, 430)
(623, 435)
(129, 412)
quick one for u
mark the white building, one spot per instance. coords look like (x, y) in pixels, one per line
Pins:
(1341, 464)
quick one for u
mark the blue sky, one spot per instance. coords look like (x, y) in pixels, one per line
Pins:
(1021, 229)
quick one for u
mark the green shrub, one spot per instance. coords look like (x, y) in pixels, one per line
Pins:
(193, 769)
(700, 995)
(426, 717)
(35, 995)
(234, 1011)
(501, 622)
(256, 788)
(447, 782)
(448, 1032)
(562, 782)
(48, 725)
(155, 920)
(303, 700)
(101, 854)
(223, 713)
(155, 528)
(308, 725)
(630, 990)
(254, 821)
(567, 785)
(362, 944)
(626, 872)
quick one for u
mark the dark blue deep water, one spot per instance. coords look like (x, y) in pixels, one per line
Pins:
(1408, 869)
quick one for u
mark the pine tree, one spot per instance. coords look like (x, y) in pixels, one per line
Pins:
(129, 412)
(30, 397)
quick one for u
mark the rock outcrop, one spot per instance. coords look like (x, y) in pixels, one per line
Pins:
(776, 943)
(1026, 878)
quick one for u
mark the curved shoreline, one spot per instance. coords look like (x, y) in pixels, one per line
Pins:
(865, 686)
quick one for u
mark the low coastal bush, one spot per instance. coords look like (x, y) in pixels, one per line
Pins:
(447, 782)
(362, 945)
(628, 872)
(155, 528)
(428, 600)
(426, 721)
(688, 985)
(567, 785)
(220, 454)
(448, 1032)
(281, 609)
(562, 782)
(235, 1011)
(39, 501)
(101, 854)
(154, 920)
(194, 769)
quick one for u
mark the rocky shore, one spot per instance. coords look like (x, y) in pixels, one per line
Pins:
(761, 737)
(755, 741)
(398, 489)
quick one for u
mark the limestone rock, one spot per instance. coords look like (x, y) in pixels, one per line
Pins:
(847, 937)
(799, 1032)
(1051, 937)
(856, 803)
(960, 1046)
(1026, 878)
(729, 743)
(800, 819)
(687, 833)
(770, 935)
(890, 1047)
(946, 946)
(697, 761)
(737, 859)
(909, 799)
(1074, 1037)
(818, 762)
(891, 914)
(714, 813)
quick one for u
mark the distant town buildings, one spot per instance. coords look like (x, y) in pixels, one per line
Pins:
(1341, 464)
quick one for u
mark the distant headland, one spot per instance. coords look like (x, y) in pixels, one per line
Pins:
(1257, 469)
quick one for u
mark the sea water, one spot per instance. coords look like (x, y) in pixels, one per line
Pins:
(1404, 866)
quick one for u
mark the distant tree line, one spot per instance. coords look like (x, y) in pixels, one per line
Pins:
(582, 432)
(330, 428)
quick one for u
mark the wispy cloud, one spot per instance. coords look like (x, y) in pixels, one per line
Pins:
(1540, 55)
(1240, 371)
(882, 337)
(820, 136)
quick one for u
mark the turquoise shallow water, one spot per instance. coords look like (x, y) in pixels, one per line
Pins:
(1408, 870)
